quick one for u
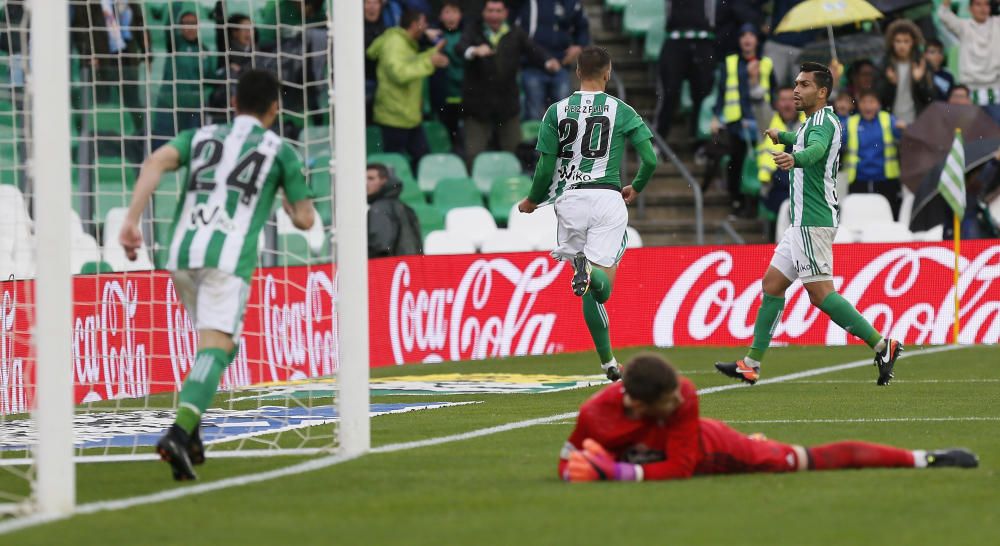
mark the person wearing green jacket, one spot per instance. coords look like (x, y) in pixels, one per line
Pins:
(182, 92)
(401, 70)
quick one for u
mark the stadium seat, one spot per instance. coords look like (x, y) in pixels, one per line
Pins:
(634, 239)
(860, 209)
(538, 227)
(315, 235)
(906, 207)
(112, 183)
(411, 192)
(317, 140)
(319, 183)
(705, 117)
(96, 267)
(936, 233)
(474, 222)
(10, 162)
(164, 208)
(615, 5)
(507, 191)
(488, 166)
(110, 119)
(397, 163)
(451, 193)
(885, 232)
(641, 15)
(16, 241)
(430, 218)
(446, 242)
(83, 250)
(504, 240)
(434, 167)
(373, 140)
(655, 37)
(529, 131)
(438, 137)
(113, 253)
(293, 249)
(847, 234)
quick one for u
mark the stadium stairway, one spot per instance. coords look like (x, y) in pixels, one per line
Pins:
(669, 208)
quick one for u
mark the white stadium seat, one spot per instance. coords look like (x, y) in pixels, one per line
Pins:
(847, 234)
(113, 253)
(446, 242)
(314, 236)
(476, 223)
(885, 232)
(906, 208)
(83, 249)
(16, 245)
(782, 222)
(634, 239)
(936, 233)
(539, 226)
(504, 240)
(859, 209)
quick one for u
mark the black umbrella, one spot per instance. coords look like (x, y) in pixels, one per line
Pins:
(889, 6)
(929, 208)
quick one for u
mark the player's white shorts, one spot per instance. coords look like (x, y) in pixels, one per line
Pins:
(806, 253)
(214, 299)
(591, 221)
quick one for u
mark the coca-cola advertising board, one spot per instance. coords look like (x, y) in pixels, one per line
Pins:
(132, 337)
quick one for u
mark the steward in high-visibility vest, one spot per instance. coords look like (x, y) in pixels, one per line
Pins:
(871, 160)
(766, 166)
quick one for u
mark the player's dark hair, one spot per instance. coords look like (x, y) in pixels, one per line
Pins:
(821, 75)
(256, 91)
(648, 377)
(593, 61)
(954, 88)
(409, 17)
(381, 169)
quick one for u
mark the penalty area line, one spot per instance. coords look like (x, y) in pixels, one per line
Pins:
(332, 460)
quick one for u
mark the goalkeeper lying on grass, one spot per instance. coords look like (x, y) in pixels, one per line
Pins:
(647, 428)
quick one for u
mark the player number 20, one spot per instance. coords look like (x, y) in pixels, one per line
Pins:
(568, 128)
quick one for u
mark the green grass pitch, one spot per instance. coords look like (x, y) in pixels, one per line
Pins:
(502, 488)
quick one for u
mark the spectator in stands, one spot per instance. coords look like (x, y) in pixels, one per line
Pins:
(116, 43)
(392, 12)
(490, 97)
(393, 228)
(280, 19)
(11, 17)
(979, 49)
(561, 28)
(180, 100)
(730, 17)
(446, 84)
(862, 76)
(402, 69)
(688, 54)
(843, 106)
(871, 159)
(960, 94)
(942, 79)
(238, 58)
(743, 74)
(906, 88)
(784, 48)
(374, 27)
(783, 116)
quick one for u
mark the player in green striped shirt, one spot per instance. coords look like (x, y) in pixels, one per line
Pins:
(582, 141)
(234, 172)
(805, 251)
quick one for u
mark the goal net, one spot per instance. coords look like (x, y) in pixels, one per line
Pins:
(139, 73)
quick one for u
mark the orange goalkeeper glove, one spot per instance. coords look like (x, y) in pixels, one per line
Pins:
(595, 463)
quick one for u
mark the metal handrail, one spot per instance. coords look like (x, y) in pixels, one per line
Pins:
(728, 229)
(699, 204)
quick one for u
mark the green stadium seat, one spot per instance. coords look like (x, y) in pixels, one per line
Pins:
(373, 139)
(687, 105)
(655, 38)
(397, 163)
(615, 5)
(438, 137)
(10, 162)
(641, 15)
(112, 182)
(430, 218)
(411, 192)
(165, 202)
(705, 117)
(94, 268)
(488, 166)
(319, 182)
(8, 118)
(450, 193)
(529, 130)
(108, 119)
(434, 167)
(504, 193)
(293, 249)
(317, 141)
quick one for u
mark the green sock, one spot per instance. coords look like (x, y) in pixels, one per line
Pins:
(597, 322)
(763, 328)
(847, 317)
(200, 386)
(600, 286)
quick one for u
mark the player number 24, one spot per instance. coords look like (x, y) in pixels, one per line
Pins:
(242, 178)
(568, 129)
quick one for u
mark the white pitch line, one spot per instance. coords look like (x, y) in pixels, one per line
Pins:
(895, 382)
(331, 460)
(862, 420)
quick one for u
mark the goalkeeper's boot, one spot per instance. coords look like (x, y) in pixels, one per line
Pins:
(173, 448)
(961, 458)
(581, 274)
(196, 449)
(886, 360)
(739, 370)
(613, 370)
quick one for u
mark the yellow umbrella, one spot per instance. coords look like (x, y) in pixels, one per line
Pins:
(827, 13)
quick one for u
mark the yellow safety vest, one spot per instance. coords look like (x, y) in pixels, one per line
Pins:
(731, 110)
(765, 162)
(888, 149)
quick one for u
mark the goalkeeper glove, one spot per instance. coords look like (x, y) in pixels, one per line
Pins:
(595, 463)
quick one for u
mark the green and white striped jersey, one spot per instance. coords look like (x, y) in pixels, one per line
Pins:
(588, 131)
(234, 172)
(813, 181)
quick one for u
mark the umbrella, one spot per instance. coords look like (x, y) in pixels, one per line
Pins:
(889, 6)
(827, 13)
(929, 208)
(927, 140)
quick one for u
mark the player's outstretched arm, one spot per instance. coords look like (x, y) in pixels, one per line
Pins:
(818, 143)
(165, 158)
(539, 183)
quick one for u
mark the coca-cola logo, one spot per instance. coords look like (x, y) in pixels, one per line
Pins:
(107, 358)
(300, 337)
(475, 320)
(13, 398)
(704, 299)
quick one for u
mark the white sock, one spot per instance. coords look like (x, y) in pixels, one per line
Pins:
(751, 362)
(608, 365)
(880, 346)
(919, 458)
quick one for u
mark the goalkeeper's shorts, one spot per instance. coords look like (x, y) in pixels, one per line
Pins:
(214, 299)
(591, 221)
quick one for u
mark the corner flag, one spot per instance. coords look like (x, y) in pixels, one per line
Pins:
(952, 183)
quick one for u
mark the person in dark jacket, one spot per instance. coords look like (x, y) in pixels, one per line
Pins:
(446, 83)
(561, 28)
(731, 16)
(374, 27)
(688, 54)
(393, 229)
(491, 98)
(238, 58)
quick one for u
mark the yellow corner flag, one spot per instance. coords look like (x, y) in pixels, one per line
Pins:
(952, 188)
